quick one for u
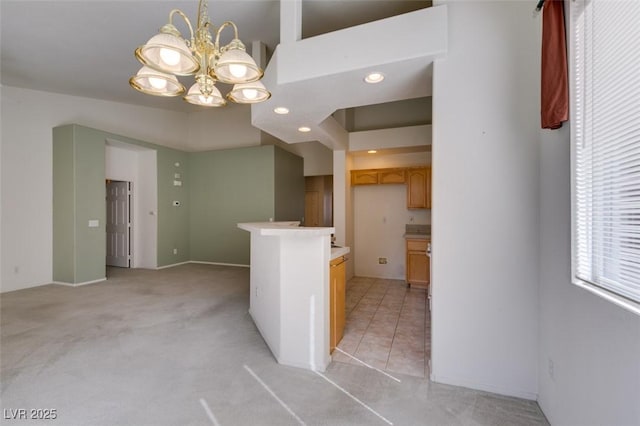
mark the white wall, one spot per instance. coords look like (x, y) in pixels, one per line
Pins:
(28, 118)
(138, 165)
(221, 128)
(485, 199)
(380, 215)
(318, 159)
(399, 137)
(594, 345)
(381, 161)
(343, 206)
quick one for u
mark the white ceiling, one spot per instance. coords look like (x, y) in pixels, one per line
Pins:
(85, 48)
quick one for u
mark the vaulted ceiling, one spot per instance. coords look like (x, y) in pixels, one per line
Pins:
(85, 48)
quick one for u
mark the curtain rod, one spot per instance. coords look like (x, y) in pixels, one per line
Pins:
(539, 5)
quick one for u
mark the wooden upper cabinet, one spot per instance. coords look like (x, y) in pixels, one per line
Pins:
(378, 176)
(391, 176)
(364, 177)
(417, 179)
(419, 188)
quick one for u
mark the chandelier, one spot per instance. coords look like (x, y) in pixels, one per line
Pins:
(167, 55)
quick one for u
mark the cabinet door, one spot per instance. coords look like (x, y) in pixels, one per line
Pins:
(417, 188)
(391, 176)
(337, 304)
(311, 208)
(417, 268)
(418, 264)
(427, 187)
(340, 308)
(332, 307)
(364, 177)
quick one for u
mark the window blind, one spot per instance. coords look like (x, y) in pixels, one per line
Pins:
(606, 137)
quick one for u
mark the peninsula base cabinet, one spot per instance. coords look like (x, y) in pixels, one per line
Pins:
(337, 308)
(418, 263)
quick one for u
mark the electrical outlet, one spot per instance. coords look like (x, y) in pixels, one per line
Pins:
(175, 251)
(551, 372)
(382, 260)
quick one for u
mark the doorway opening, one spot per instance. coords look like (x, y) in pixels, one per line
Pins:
(137, 165)
(118, 227)
(318, 200)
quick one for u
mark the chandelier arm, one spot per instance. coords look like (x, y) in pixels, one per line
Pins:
(185, 18)
(226, 24)
(202, 10)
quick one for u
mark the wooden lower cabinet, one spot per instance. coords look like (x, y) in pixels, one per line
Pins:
(418, 263)
(337, 308)
(419, 188)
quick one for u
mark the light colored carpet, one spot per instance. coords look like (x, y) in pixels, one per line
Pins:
(177, 347)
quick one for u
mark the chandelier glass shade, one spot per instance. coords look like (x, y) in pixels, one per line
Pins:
(167, 55)
(157, 83)
(249, 93)
(213, 99)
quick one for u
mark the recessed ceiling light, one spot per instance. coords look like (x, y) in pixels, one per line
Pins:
(374, 77)
(371, 151)
(281, 110)
(304, 129)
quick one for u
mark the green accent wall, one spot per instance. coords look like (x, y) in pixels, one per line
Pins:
(289, 185)
(90, 193)
(173, 222)
(240, 185)
(229, 187)
(219, 190)
(79, 252)
(78, 196)
(63, 205)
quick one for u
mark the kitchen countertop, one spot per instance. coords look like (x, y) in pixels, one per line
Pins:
(293, 229)
(339, 251)
(285, 229)
(417, 236)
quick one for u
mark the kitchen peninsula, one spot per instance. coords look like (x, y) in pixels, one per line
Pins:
(289, 290)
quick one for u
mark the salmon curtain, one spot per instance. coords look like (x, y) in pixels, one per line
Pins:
(554, 85)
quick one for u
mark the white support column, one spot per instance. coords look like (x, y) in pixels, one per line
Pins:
(290, 21)
(259, 53)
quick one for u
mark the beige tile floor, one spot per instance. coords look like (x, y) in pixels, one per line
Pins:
(388, 326)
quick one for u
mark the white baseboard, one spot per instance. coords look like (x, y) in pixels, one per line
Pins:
(172, 265)
(507, 391)
(219, 263)
(202, 263)
(158, 268)
(79, 284)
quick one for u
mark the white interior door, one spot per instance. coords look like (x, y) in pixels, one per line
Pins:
(118, 223)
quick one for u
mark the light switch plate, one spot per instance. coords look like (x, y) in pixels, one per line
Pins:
(94, 223)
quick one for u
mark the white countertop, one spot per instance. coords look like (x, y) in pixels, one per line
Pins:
(285, 229)
(417, 236)
(339, 251)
